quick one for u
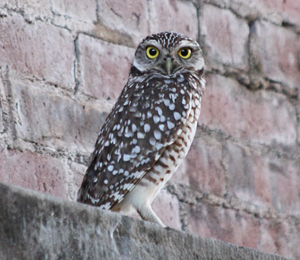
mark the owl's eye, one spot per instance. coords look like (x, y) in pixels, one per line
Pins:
(152, 52)
(185, 53)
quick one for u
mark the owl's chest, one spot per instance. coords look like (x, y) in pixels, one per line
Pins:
(174, 154)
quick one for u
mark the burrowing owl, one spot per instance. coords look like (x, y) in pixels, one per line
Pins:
(150, 129)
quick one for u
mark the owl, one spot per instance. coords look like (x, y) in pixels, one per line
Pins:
(150, 128)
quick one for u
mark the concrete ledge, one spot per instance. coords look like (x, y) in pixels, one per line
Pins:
(38, 226)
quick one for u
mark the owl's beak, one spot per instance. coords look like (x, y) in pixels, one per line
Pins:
(169, 65)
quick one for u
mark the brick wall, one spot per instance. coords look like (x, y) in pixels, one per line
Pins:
(63, 64)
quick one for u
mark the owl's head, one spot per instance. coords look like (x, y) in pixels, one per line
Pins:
(168, 53)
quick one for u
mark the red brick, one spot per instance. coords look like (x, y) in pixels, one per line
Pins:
(104, 67)
(37, 50)
(225, 224)
(84, 10)
(264, 117)
(203, 167)
(53, 120)
(225, 38)
(166, 206)
(37, 172)
(279, 48)
(127, 17)
(180, 16)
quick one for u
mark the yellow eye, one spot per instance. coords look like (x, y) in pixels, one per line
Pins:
(185, 53)
(152, 52)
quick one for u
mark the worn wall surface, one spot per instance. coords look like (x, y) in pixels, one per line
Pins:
(63, 63)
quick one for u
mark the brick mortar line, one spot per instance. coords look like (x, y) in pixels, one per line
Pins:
(257, 148)
(266, 84)
(188, 196)
(256, 15)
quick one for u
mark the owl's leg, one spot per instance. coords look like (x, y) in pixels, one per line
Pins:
(148, 214)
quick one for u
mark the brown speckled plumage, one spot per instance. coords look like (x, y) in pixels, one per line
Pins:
(149, 130)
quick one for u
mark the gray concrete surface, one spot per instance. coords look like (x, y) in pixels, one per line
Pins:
(36, 226)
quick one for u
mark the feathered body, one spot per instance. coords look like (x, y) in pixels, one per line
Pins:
(150, 129)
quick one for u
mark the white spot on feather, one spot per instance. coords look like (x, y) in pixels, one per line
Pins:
(176, 116)
(157, 134)
(170, 125)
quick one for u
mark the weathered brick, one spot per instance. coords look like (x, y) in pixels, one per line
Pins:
(76, 174)
(284, 10)
(30, 9)
(33, 171)
(84, 10)
(166, 206)
(180, 16)
(224, 224)
(224, 37)
(278, 51)
(37, 50)
(264, 117)
(104, 67)
(128, 17)
(181, 176)
(285, 185)
(51, 119)
(248, 176)
(263, 181)
(276, 237)
(296, 239)
(1, 105)
(202, 169)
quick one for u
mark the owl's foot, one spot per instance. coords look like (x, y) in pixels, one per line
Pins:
(148, 214)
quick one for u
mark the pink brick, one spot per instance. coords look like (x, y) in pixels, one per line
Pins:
(180, 16)
(84, 10)
(181, 176)
(296, 232)
(128, 17)
(285, 185)
(104, 67)
(267, 182)
(54, 120)
(248, 176)
(225, 38)
(38, 50)
(264, 117)
(279, 49)
(1, 106)
(225, 224)
(76, 174)
(38, 172)
(166, 206)
(30, 9)
(286, 10)
(277, 238)
(203, 167)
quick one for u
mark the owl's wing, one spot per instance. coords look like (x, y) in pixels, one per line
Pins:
(146, 119)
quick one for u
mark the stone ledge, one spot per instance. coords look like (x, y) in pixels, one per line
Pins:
(38, 226)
